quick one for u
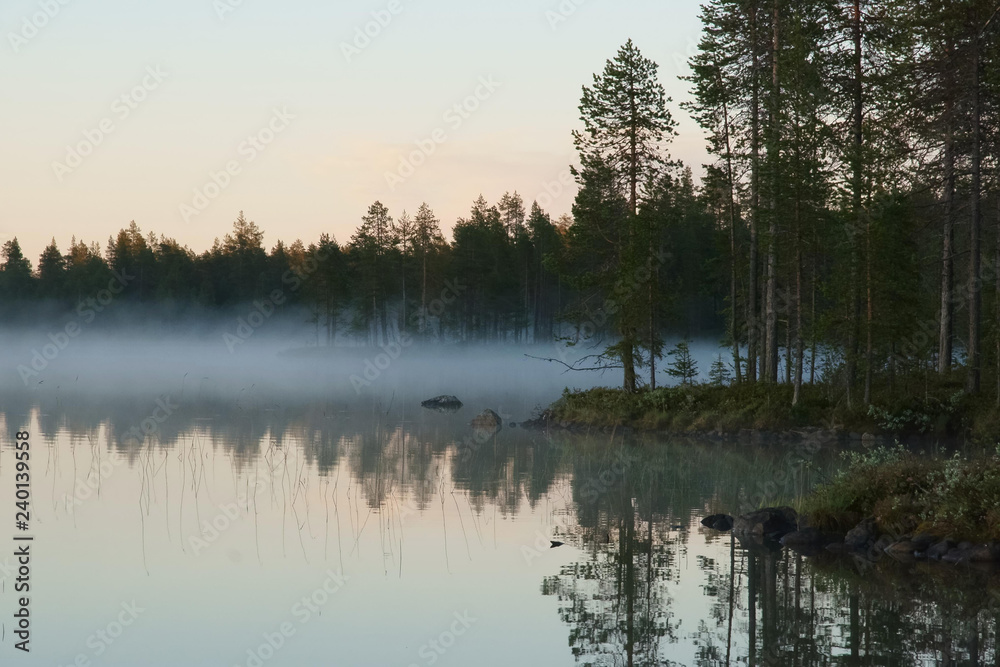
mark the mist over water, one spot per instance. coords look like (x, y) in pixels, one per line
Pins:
(128, 352)
(218, 489)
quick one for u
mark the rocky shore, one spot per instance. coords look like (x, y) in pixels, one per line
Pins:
(776, 527)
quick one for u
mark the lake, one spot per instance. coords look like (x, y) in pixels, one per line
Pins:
(195, 510)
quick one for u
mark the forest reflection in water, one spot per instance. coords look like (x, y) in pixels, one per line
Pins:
(645, 583)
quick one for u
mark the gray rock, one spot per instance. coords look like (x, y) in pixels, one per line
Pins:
(923, 541)
(884, 542)
(862, 536)
(808, 537)
(771, 522)
(982, 553)
(956, 556)
(940, 550)
(720, 522)
(443, 404)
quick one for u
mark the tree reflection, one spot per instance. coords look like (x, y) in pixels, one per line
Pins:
(652, 586)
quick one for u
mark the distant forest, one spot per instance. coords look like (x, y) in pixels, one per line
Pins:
(846, 231)
(498, 280)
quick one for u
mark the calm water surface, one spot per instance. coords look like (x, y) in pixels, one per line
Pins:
(261, 527)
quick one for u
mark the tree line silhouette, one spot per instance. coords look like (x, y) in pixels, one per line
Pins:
(845, 232)
(503, 276)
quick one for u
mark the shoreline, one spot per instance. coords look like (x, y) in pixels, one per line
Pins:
(765, 414)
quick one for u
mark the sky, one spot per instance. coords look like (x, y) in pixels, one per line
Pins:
(302, 113)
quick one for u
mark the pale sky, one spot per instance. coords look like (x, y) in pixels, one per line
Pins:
(196, 86)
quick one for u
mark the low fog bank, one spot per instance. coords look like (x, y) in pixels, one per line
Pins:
(212, 357)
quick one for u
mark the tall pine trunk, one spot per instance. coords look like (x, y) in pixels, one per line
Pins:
(770, 300)
(946, 335)
(973, 380)
(753, 343)
(857, 184)
(799, 349)
(996, 270)
(423, 291)
(733, 322)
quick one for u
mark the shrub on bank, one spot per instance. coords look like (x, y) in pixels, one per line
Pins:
(924, 405)
(956, 497)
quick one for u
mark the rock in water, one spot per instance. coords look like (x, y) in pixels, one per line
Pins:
(940, 550)
(443, 404)
(808, 537)
(862, 536)
(902, 550)
(720, 522)
(923, 541)
(770, 522)
(487, 420)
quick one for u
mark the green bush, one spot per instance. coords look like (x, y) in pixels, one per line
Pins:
(955, 497)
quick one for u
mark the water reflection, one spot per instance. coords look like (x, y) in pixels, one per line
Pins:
(225, 491)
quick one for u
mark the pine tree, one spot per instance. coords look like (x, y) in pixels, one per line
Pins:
(370, 245)
(719, 374)
(51, 272)
(622, 155)
(15, 272)
(426, 239)
(683, 367)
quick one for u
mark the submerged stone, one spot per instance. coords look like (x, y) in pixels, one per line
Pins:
(720, 522)
(862, 536)
(770, 522)
(940, 549)
(443, 404)
(808, 537)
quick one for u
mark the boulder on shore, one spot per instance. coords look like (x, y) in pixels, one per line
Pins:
(720, 522)
(971, 553)
(923, 541)
(940, 549)
(443, 404)
(862, 536)
(808, 537)
(771, 523)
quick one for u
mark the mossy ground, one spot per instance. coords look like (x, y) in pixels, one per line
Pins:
(955, 497)
(929, 406)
